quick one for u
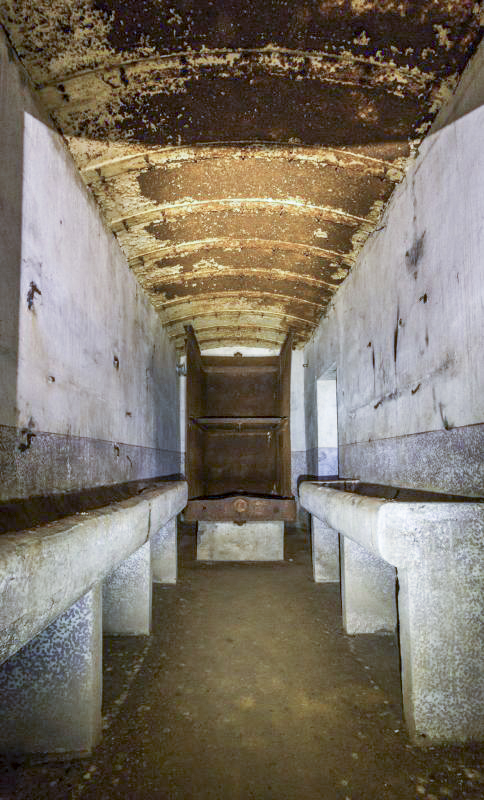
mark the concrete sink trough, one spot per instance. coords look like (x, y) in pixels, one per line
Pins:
(435, 542)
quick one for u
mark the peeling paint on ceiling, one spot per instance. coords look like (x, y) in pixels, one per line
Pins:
(242, 158)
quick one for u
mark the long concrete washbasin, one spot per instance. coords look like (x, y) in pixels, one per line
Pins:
(63, 584)
(436, 544)
(46, 570)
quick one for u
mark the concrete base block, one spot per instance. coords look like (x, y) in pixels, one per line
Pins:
(442, 649)
(368, 586)
(325, 552)
(127, 596)
(51, 689)
(164, 558)
(250, 541)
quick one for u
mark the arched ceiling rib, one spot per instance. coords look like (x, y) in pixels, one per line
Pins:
(242, 154)
(234, 319)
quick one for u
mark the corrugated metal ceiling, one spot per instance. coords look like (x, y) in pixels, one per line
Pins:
(242, 152)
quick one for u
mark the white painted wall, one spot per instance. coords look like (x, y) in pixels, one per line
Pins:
(327, 413)
(407, 326)
(58, 359)
(90, 312)
(15, 97)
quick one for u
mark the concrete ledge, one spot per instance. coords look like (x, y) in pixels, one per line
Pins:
(45, 571)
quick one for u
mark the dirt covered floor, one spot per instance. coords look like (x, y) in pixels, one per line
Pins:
(248, 689)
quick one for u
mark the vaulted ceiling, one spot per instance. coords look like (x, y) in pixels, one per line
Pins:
(242, 151)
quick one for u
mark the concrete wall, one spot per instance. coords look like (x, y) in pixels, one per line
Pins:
(89, 392)
(405, 330)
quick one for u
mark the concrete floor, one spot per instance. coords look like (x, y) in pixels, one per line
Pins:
(249, 689)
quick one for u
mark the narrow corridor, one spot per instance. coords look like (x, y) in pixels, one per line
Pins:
(248, 689)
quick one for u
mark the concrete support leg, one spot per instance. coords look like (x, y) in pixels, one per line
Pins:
(249, 541)
(127, 596)
(367, 590)
(51, 689)
(442, 650)
(164, 557)
(325, 552)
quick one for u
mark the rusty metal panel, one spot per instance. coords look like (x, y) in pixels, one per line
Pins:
(237, 438)
(244, 461)
(237, 387)
(240, 508)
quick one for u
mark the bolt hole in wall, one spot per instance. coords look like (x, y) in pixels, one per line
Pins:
(327, 424)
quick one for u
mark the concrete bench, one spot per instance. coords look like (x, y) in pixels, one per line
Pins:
(436, 544)
(62, 585)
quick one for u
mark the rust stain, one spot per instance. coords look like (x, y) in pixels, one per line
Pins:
(242, 295)
(235, 205)
(154, 281)
(226, 244)
(242, 329)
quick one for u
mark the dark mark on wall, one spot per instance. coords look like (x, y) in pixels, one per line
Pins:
(51, 379)
(386, 398)
(116, 449)
(445, 422)
(414, 254)
(27, 436)
(373, 358)
(129, 414)
(414, 391)
(376, 230)
(116, 362)
(427, 337)
(395, 337)
(423, 298)
(34, 289)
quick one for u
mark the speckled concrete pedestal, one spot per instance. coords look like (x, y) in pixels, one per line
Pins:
(51, 689)
(250, 541)
(325, 552)
(127, 596)
(367, 590)
(164, 562)
(442, 644)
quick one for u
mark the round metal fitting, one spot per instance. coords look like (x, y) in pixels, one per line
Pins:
(241, 505)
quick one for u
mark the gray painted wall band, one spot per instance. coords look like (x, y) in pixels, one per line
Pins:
(441, 461)
(34, 463)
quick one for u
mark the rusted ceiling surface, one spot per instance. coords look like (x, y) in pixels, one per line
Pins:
(242, 152)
